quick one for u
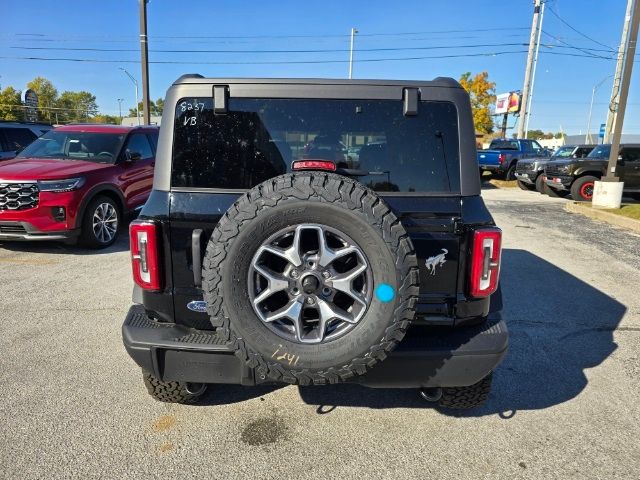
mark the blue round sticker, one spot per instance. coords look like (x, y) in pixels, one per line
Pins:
(385, 293)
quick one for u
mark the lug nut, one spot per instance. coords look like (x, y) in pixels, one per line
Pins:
(294, 274)
(310, 301)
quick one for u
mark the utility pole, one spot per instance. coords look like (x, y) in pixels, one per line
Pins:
(145, 62)
(533, 75)
(608, 192)
(615, 92)
(353, 34)
(526, 90)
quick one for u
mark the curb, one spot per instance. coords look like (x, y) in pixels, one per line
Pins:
(612, 218)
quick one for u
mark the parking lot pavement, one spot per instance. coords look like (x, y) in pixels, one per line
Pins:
(565, 402)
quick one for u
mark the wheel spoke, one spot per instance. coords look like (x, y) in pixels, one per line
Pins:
(292, 311)
(327, 254)
(291, 254)
(343, 283)
(275, 283)
(329, 312)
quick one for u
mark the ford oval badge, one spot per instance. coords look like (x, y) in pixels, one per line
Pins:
(197, 306)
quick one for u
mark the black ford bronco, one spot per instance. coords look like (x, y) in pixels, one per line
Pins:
(530, 171)
(577, 175)
(315, 232)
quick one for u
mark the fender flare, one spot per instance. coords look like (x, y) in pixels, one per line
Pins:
(92, 193)
(579, 172)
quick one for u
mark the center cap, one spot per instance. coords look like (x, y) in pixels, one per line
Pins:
(310, 284)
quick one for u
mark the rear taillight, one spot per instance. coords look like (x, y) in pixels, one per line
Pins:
(145, 255)
(501, 158)
(485, 261)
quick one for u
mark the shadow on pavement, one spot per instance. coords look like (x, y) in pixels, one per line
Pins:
(60, 248)
(560, 326)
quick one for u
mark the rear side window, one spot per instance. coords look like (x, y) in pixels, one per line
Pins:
(18, 138)
(370, 139)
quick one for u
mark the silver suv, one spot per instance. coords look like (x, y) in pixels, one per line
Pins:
(15, 136)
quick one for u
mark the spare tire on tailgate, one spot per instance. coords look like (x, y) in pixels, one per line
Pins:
(310, 278)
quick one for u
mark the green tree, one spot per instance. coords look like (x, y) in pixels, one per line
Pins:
(76, 106)
(482, 94)
(47, 97)
(154, 107)
(10, 104)
(103, 118)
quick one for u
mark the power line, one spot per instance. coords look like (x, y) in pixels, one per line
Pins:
(243, 37)
(322, 50)
(587, 51)
(553, 12)
(274, 62)
(293, 62)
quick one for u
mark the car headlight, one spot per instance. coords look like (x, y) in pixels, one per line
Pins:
(60, 186)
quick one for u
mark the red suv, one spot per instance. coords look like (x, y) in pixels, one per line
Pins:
(77, 183)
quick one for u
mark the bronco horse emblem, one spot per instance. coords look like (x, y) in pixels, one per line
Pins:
(435, 261)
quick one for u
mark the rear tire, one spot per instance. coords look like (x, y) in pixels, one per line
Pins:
(460, 398)
(582, 188)
(173, 392)
(510, 174)
(525, 186)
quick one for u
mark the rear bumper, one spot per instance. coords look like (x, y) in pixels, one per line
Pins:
(24, 231)
(492, 168)
(427, 357)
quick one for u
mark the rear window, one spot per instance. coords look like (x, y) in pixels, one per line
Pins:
(504, 145)
(371, 139)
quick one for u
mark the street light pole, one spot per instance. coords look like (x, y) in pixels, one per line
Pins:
(353, 34)
(587, 137)
(120, 100)
(135, 82)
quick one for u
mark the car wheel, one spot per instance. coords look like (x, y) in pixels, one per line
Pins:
(510, 173)
(100, 223)
(582, 188)
(173, 392)
(460, 398)
(525, 186)
(541, 183)
(289, 279)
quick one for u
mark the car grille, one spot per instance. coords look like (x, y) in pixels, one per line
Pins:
(553, 170)
(12, 228)
(524, 167)
(18, 196)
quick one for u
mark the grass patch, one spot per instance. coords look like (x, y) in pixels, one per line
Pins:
(631, 211)
(503, 183)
